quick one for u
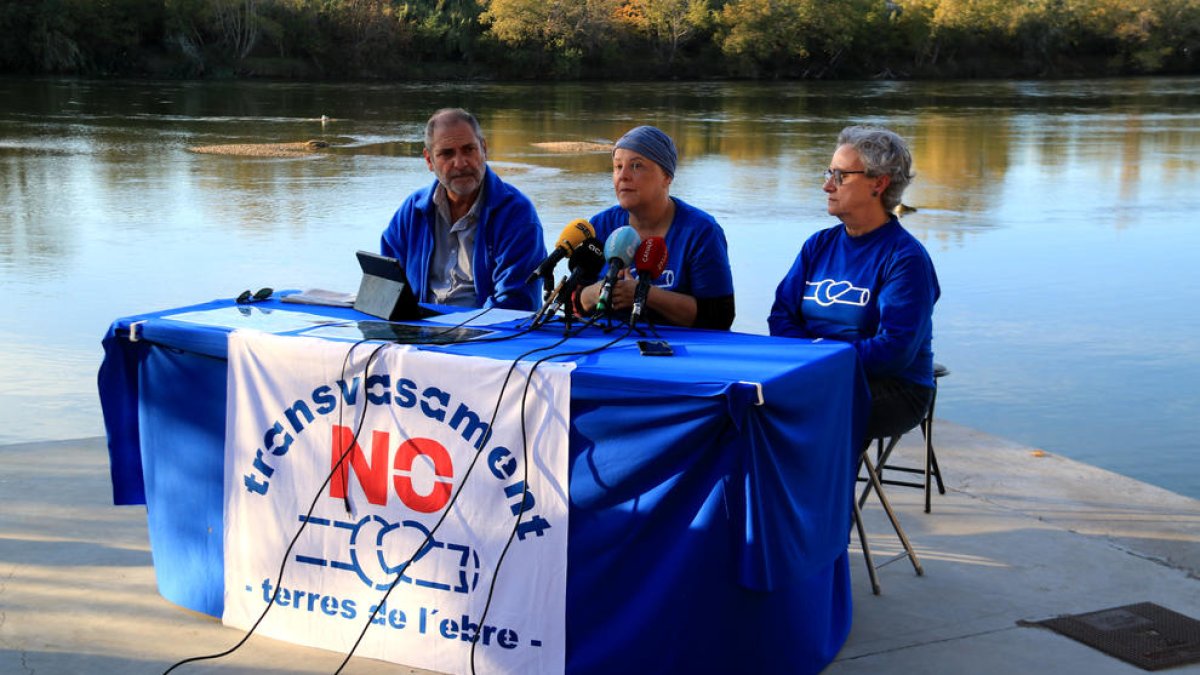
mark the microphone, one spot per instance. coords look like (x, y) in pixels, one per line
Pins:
(619, 251)
(650, 261)
(571, 236)
(585, 264)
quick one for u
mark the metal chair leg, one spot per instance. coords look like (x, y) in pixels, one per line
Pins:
(881, 455)
(927, 432)
(866, 549)
(937, 472)
(930, 471)
(931, 465)
(887, 507)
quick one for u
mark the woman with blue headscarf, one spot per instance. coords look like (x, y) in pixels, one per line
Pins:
(696, 288)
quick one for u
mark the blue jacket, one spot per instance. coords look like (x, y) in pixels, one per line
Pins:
(508, 244)
(876, 291)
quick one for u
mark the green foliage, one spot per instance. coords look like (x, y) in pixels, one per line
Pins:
(212, 35)
(796, 38)
(668, 25)
(555, 36)
(447, 30)
(1150, 35)
(600, 38)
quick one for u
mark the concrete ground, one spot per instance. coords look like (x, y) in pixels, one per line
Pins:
(1020, 535)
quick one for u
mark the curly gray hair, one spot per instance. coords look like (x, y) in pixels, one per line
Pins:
(882, 152)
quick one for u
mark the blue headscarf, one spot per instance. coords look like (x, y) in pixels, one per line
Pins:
(653, 144)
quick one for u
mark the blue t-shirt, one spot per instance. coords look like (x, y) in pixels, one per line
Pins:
(697, 253)
(876, 291)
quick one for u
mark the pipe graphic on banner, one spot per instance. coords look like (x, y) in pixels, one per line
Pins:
(372, 544)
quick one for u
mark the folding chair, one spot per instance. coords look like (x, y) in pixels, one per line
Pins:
(876, 481)
(931, 470)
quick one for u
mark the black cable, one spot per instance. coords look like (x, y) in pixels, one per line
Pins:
(500, 338)
(304, 523)
(460, 325)
(449, 505)
(525, 477)
(346, 492)
(357, 428)
(312, 506)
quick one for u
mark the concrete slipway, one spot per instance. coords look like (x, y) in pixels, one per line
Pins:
(1020, 535)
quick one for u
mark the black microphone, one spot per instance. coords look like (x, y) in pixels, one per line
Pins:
(585, 263)
(574, 234)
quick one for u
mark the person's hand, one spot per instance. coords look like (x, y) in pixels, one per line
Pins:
(590, 295)
(623, 291)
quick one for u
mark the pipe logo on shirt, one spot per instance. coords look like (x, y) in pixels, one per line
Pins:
(828, 292)
(665, 280)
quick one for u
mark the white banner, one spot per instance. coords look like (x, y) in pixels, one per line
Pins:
(421, 420)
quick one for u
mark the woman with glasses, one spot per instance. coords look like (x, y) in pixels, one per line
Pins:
(868, 281)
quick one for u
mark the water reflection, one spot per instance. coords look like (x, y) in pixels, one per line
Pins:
(1058, 215)
(28, 236)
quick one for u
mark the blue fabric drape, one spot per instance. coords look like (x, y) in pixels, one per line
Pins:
(182, 426)
(707, 533)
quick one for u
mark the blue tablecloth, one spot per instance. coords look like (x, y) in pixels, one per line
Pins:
(708, 533)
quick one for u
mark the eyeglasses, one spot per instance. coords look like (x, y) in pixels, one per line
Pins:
(247, 297)
(838, 175)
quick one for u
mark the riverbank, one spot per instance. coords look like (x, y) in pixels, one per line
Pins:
(1021, 535)
(561, 39)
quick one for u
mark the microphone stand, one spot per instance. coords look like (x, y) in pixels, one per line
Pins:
(608, 320)
(568, 317)
(642, 313)
(649, 326)
(542, 316)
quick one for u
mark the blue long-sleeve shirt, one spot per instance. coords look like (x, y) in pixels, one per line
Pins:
(875, 291)
(508, 244)
(697, 252)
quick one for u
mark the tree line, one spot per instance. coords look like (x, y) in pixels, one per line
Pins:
(606, 39)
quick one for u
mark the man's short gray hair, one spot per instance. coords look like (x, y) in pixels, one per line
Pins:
(882, 152)
(450, 116)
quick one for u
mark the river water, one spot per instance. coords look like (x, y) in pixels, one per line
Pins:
(1057, 215)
